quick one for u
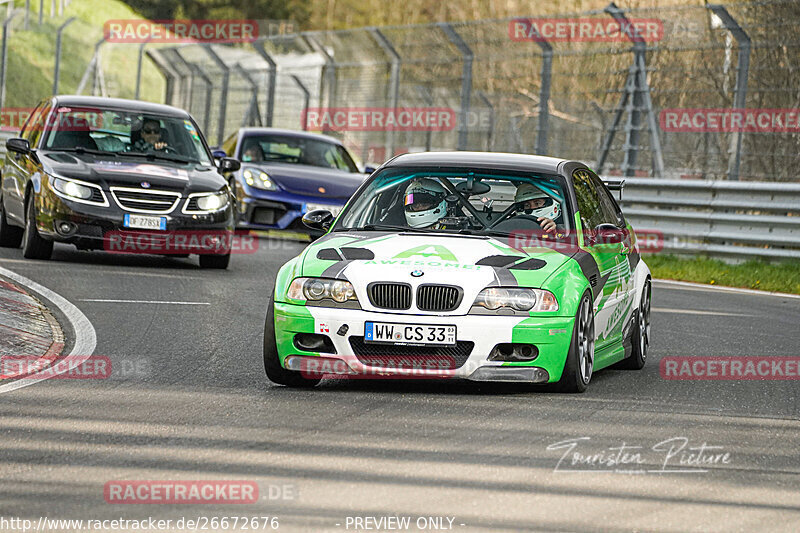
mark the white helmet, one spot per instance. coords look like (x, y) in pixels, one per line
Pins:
(527, 191)
(424, 203)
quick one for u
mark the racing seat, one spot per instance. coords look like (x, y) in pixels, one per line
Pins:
(73, 139)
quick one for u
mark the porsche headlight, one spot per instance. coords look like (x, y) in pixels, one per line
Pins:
(259, 179)
(518, 299)
(71, 188)
(315, 289)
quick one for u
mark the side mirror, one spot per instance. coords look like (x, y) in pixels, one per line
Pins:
(609, 234)
(20, 146)
(369, 170)
(319, 219)
(229, 164)
(217, 153)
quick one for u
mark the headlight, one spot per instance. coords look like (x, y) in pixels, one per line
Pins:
(259, 179)
(518, 299)
(315, 289)
(212, 202)
(71, 188)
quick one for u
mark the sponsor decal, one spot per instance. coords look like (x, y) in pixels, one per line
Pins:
(181, 242)
(379, 118)
(726, 120)
(705, 368)
(428, 250)
(180, 31)
(180, 492)
(556, 30)
(143, 168)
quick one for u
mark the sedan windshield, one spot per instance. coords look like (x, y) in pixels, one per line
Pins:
(297, 150)
(459, 201)
(115, 132)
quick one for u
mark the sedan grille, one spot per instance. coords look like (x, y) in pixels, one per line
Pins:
(390, 295)
(438, 297)
(411, 357)
(145, 201)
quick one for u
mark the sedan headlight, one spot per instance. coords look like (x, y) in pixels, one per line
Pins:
(259, 179)
(212, 202)
(71, 188)
(315, 289)
(516, 298)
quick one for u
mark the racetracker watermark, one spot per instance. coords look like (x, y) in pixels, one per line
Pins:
(645, 241)
(180, 492)
(181, 242)
(379, 118)
(65, 119)
(556, 30)
(725, 120)
(180, 31)
(379, 367)
(706, 368)
(92, 367)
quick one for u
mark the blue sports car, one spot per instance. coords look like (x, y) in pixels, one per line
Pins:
(285, 174)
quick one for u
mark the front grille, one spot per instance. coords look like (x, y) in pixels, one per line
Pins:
(145, 201)
(266, 215)
(413, 357)
(390, 295)
(438, 297)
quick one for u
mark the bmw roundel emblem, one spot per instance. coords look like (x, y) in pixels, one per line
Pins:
(146, 184)
(417, 273)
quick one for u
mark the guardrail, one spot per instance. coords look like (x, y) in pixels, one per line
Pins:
(729, 220)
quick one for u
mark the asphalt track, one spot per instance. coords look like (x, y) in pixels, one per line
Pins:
(190, 401)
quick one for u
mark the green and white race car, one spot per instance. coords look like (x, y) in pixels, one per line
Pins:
(483, 266)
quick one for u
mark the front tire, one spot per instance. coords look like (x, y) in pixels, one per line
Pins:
(640, 342)
(272, 364)
(10, 236)
(580, 358)
(33, 245)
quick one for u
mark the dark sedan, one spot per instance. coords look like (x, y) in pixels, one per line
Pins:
(101, 172)
(286, 174)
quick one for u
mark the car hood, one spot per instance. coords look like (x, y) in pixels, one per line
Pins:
(132, 172)
(469, 262)
(307, 180)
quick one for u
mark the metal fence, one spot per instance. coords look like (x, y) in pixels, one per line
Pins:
(598, 102)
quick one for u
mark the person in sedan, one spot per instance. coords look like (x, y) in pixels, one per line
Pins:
(149, 137)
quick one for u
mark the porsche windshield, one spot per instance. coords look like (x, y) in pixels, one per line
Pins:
(459, 201)
(109, 131)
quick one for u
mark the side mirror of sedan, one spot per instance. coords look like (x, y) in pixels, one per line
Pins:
(229, 164)
(369, 170)
(20, 146)
(319, 219)
(608, 234)
(218, 154)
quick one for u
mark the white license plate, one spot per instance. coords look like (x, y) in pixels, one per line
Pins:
(334, 209)
(387, 332)
(144, 222)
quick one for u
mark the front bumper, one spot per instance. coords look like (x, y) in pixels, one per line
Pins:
(98, 227)
(551, 335)
(265, 210)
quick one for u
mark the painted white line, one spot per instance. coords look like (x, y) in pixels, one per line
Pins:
(99, 300)
(85, 336)
(706, 287)
(695, 312)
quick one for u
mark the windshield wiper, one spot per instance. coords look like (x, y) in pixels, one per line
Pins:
(82, 150)
(164, 157)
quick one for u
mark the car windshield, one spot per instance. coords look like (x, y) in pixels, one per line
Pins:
(296, 149)
(457, 201)
(115, 132)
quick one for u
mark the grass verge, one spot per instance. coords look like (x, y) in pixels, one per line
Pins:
(777, 277)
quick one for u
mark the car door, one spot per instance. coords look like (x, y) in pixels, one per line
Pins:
(18, 167)
(593, 209)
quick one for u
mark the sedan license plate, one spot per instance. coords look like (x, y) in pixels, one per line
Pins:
(144, 222)
(393, 333)
(334, 209)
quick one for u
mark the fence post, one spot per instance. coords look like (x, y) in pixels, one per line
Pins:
(139, 68)
(394, 82)
(92, 66)
(742, 70)
(330, 69)
(466, 80)
(223, 104)
(425, 94)
(170, 75)
(246, 119)
(306, 98)
(58, 53)
(41, 11)
(544, 96)
(4, 66)
(273, 75)
(490, 133)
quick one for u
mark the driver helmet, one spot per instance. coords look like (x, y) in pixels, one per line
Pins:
(424, 203)
(546, 206)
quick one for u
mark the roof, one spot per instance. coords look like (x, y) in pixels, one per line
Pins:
(122, 104)
(293, 133)
(483, 160)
